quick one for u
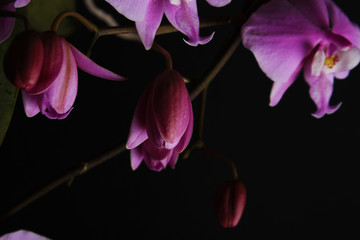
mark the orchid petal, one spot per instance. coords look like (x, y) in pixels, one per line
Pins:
(48, 110)
(138, 133)
(185, 139)
(31, 105)
(53, 58)
(87, 65)
(218, 3)
(280, 43)
(173, 159)
(132, 9)
(341, 25)
(318, 63)
(185, 18)
(320, 92)
(147, 28)
(171, 106)
(314, 11)
(347, 60)
(6, 23)
(341, 75)
(279, 88)
(62, 92)
(156, 153)
(22, 235)
(136, 156)
(153, 164)
(21, 3)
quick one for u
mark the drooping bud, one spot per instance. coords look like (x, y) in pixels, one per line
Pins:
(229, 202)
(24, 60)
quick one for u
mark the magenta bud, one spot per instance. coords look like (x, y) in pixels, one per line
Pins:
(24, 59)
(229, 202)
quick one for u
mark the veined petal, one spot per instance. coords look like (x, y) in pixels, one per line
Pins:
(320, 92)
(170, 100)
(341, 25)
(280, 37)
(87, 65)
(173, 159)
(136, 156)
(53, 58)
(6, 23)
(279, 88)
(137, 134)
(185, 139)
(185, 18)
(318, 63)
(218, 3)
(31, 104)
(315, 11)
(62, 92)
(131, 9)
(147, 28)
(21, 3)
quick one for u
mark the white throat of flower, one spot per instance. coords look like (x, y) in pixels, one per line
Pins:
(339, 61)
(177, 2)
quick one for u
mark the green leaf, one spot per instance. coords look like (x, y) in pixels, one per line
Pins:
(41, 14)
(8, 92)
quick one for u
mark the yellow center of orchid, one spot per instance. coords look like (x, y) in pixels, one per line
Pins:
(331, 61)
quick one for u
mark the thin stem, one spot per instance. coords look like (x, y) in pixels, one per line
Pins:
(165, 53)
(222, 157)
(4, 13)
(68, 176)
(89, 25)
(202, 114)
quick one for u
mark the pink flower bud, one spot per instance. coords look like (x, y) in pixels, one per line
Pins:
(229, 202)
(24, 59)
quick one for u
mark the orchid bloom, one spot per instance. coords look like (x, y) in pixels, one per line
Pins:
(229, 203)
(45, 68)
(288, 35)
(148, 14)
(7, 23)
(22, 235)
(162, 124)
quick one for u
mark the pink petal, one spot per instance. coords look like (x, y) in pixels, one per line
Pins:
(87, 65)
(136, 156)
(185, 139)
(347, 60)
(62, 92)
(148, 26)
(131, 9)
(185, 18)
(218, 3)
(48, 110)
(279, 88)
(6, 23)
(320, 92)
(340, 24)
(173, 159)
(280, 37)
(21, 3)
(138, 133)
(53, 58)
(315, 11)
(171, 105)
(31, 104)
(22, 235)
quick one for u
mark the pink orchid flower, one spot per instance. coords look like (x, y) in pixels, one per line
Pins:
(7, 23)
(147, 14)
(22, 235)
(45, 68)
(288, 35)
(162, 124)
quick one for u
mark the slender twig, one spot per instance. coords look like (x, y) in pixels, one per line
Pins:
(165, 53)
(68, 176)
(89, 25)
(4, 13)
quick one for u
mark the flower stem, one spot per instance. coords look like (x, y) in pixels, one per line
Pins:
(89, 25)
(4, 13)
(165, 53)
(69, 176)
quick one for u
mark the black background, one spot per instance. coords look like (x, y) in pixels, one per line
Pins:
(300, 172)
